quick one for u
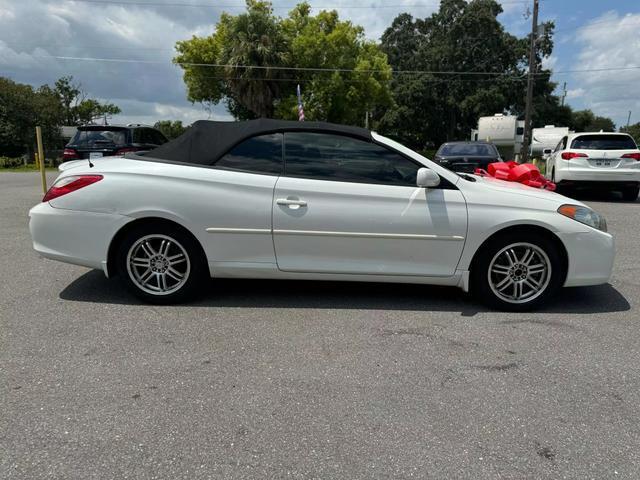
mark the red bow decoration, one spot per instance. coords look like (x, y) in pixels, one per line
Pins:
(525, 173)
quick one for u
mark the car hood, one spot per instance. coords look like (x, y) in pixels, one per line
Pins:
(503, 186)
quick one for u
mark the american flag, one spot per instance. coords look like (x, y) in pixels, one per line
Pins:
(300, 109)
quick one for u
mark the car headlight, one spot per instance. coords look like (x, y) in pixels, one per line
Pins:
(584, 215)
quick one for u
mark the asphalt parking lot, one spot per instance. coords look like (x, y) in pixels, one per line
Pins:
(266, 379)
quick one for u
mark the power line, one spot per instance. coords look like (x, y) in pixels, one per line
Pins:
(243, 6)
(335, 70)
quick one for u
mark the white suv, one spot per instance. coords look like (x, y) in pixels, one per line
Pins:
(606, 160)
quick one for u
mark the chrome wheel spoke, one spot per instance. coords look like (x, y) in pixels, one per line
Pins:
(504, 284)
(538, 268)
(148, 249)
(500, 269)
(140, 262)
(164, 248)
(177, 259)
(527, 256)
(146, 276)
(511, 257)
(517, 290)
(175, 274)
(531, 284)
(162, 280)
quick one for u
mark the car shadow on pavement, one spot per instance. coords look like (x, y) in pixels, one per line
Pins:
(94, 287)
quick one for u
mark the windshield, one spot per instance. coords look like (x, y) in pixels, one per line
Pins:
(604, 142)
(456, 149)
(99, 138)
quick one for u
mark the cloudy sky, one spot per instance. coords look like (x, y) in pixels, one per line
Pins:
(121, 50)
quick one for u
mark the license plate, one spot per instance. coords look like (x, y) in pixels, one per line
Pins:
(95, 154)
(602, 162)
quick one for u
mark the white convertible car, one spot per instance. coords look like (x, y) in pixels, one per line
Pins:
(313, 201)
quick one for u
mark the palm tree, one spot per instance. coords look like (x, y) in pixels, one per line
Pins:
(255, 38)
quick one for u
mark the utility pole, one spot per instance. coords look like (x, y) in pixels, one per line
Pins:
(628, 120)
(530, 80)
(564, 93)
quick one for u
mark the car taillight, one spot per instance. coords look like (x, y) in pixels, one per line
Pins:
(570, 155)
(122, 151)
(69, 154)
(70, 184)
(635, 156)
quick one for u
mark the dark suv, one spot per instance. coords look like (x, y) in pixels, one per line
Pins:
(94, 141)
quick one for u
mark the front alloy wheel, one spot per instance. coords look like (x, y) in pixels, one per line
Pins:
(518, 271)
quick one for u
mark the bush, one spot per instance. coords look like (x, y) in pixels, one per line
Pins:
(11, 162)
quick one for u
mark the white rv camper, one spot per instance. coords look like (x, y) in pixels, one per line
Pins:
(546, 138)
(501, 130)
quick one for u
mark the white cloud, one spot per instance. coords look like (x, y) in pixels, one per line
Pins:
(35, 31)
(608, 43)
(550, 62)
(576, 93)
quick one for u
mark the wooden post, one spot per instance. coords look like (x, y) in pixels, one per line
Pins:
(41, 159)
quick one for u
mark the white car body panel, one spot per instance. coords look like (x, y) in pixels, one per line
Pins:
(381, 229)
(346, 231)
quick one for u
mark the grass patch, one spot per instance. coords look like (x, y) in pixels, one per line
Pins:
(27, 168)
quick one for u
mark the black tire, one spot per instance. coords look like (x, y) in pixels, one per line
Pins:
(194, 268)
(630, 194)
(549, 283)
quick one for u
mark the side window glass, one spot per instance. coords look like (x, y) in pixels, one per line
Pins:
(146, 136)
(558, 147)
(344, 159)
(158, 138)
(137, 135)
(261, 154)
(564, 143)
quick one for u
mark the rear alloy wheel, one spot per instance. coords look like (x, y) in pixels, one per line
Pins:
(630, 194)
(518, 274)
(160, 265)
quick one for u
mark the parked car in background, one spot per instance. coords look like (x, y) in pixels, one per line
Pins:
(599, 160)
(96, 141)
(467, 156)
(314, 201)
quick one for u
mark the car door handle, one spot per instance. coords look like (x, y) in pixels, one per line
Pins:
(291, 203)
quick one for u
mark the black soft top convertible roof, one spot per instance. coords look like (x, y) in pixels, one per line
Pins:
(206, 141)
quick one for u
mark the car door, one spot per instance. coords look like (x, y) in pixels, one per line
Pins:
(349, 206)
(552, 160)
(237, 211)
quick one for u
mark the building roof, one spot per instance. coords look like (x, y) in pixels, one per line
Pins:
(206, 141)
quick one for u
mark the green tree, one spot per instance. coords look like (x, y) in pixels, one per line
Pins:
(22, 108)
(462, 36)
(254, 60)
(343, 75)
(250, 46)
(587, 121)
(170, 129)
(633, 130)
(77, 109)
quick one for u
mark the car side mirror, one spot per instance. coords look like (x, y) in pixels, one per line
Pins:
(547, 151)
(427, 178)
